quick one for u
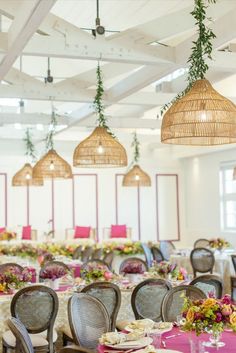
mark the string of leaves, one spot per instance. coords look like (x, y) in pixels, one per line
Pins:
(201, 49)
(30, 149)
(49, 137)
(98, 103)
(136, 145)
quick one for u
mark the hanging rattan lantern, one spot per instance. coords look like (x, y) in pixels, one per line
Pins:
(136, 177)
(201, 117)
(234, 174)
(101, 148)
(24, 177)
(51, 165)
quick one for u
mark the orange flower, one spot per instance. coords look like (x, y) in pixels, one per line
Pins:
(190, 315)
(232, 319)
(209, 302)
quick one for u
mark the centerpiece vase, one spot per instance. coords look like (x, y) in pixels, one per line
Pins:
(54, 284)
(214, 340)
(134, 277)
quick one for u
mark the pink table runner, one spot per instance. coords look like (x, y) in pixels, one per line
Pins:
(181, 343)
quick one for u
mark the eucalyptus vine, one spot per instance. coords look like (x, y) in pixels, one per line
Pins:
(136, 145)
(51, 132)
(98, 103)
(30, 149)
(201, 49)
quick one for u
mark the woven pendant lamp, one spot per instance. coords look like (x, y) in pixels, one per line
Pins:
(51, 165)
(24, 177)
(199, 115)
(234, 174)
(136, 176)
(101, 149)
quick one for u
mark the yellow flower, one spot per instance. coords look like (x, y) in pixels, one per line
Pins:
(226, 310)
(232, 319)
(190, 315)
(2, 287)
(208, 303)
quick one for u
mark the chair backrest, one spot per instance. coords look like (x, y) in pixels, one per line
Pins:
(88, 319)
(23, 341)
(233, 257)
(209, 284)
(9, 266)
(92, 263)
(148, 254)
(86, 253)
(134, 261)
(36, 307)
(52, 264)
(157, 254)
(97, 254)
(109, 294)
(167, 248)
(75, 349)
(172, 304)
(147, 297)
(77, 252)
(108, 258)
(201, 243)
(202, 260)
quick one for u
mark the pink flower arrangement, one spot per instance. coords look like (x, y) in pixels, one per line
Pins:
(95, 272)
(14, 278)
(133, 267)
(53, 272)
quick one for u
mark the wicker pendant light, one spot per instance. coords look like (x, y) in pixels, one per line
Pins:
(51, 165)
(136, 176)
(101, 148)
(199, 115)
(24, 177)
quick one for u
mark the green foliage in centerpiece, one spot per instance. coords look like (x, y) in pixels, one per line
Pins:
(127, 248)
(218, 243)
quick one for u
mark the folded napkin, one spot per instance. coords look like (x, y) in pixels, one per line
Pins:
(148, 349)
(112, 338)
(163, 325)
(145, 324)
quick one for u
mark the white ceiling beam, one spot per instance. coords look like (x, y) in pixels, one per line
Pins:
(30, 15)
(125, 123)
(30, 118)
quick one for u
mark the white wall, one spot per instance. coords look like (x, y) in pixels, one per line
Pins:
(153, 162)
(202, 198)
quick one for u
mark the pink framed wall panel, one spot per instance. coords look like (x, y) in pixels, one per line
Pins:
(86, 213)
(167, 207)
(3, 200)
(129, 194)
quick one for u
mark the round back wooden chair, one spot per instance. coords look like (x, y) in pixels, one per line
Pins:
(10, 266)
(173, 302)
(157, 254)
(108, 258)
(88, 319)
(36, 307)
(23, 341)
(167, 248)
(86, 253)
(109, 294)
(202, 260)
(92, 263)
(201, 243)
(48, 266)
(148, 254)
(233, 257)
(147, 297)
(134, 261)
(77, 252)
(209, 284)
(97, 254)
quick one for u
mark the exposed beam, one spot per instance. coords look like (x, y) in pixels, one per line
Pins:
(30, 15)
(30, 118)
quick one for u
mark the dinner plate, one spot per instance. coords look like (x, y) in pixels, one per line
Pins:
(168, 351)
(154, 330)
(142, 342)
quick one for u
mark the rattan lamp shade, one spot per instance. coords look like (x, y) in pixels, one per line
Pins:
(24, 177)
(52, 166)
(202, 117)
(136, 177)
(234, 174)
(112, 153)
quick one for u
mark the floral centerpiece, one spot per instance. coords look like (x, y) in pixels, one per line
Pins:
(133, 267)
(14, 278)
(209, 315)
(7, 235)
(218, 243)
(96, 272)
(127, 248)
(54, 272)
(166, 269)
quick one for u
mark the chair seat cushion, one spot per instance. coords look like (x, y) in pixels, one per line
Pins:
(38, 339)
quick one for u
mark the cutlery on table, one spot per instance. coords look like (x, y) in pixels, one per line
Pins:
(171, 336)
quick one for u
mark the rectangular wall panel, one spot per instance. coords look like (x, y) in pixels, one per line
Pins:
(167, 206)
(3, 199)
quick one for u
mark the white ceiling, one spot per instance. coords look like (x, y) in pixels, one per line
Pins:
(139, 77)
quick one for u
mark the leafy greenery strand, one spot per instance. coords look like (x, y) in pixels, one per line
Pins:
(136, 145)
(49, 138)
(201, 49)
(30, 149)
(98, 103)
